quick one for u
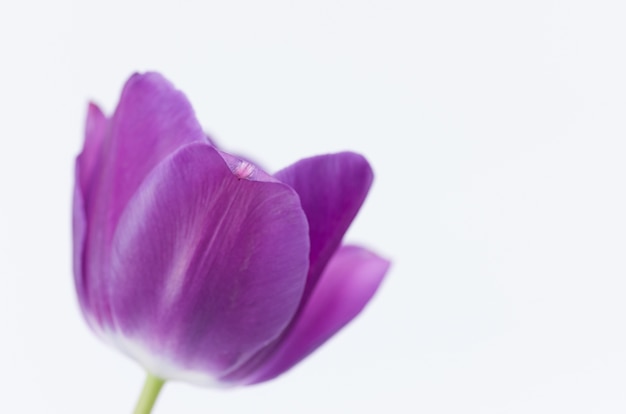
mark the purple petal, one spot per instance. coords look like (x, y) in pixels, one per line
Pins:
(79, 229)
(332, 189)
(347, 284)
(85, 168)
(207, 267)
(95, 132)
(152, 120)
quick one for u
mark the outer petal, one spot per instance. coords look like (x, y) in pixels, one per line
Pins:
(332, 189)
(95, 133)
(152, 120)
(79, 229)
(348, 283)
(85, 168)
(207, 267)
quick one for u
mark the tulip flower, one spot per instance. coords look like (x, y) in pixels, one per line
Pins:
(197, 263)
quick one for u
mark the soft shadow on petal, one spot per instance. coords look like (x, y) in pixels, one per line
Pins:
(152, 120)
(79, 229)
(347, 284)
(332, 189)
(207, 267)
(95, 132)
(84, 171)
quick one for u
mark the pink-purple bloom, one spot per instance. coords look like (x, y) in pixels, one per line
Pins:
(197, 263)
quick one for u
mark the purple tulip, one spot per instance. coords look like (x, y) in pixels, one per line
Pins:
(198, 264)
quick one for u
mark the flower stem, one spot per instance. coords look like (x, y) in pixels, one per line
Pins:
(149, 394)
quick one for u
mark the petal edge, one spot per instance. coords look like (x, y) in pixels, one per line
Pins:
(348, 283)
(206, 268)
(332, 189)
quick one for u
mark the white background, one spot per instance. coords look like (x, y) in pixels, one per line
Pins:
(497, 134)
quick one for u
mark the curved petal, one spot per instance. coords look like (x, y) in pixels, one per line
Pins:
(95, 132)
(84, 170)
(207, 268)
(347, 284)
(79, 229)
(332, 189)
(151, 121)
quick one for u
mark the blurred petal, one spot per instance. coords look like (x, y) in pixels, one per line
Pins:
(207, 267)
(151, 121)
(347, 284)
(85, 168)
(332, 189)
(79, 228)
(95, 132)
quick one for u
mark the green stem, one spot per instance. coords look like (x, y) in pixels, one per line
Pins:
(149, 394)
